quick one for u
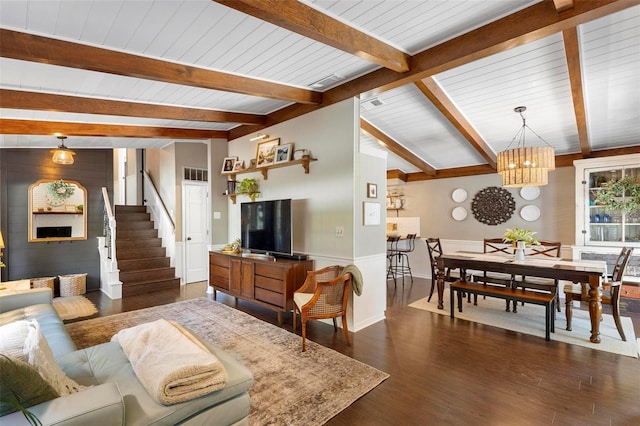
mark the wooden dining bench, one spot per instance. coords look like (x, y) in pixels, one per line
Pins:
(515, 294)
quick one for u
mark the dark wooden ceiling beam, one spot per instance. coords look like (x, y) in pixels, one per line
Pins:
(565, 160)
(432, 90)
(397, 174)
(18, 99)
(300, 18)
(533, 23)
(11, 126)
(389, 143)
(572, 50)
(530, 24)
(34, 48)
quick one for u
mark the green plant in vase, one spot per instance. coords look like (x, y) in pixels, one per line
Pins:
(513, 235)
(249, 187)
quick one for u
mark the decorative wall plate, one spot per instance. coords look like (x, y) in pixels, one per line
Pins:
(530, 213)
(529, 192)
(493, 205)
(459, 213)
(459, 195)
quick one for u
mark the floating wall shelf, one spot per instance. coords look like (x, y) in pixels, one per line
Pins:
(304, 162)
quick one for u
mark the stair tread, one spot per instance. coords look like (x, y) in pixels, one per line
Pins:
(144, 258)
(143, 282)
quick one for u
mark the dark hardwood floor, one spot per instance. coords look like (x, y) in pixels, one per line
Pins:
(446, 372)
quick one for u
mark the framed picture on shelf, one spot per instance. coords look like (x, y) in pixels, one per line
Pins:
(283, 153)
(372, 190)
(266, 152)
(228, 164)
(238, 165)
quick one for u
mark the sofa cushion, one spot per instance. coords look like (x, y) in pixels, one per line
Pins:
(21, 383)
(107, 363)
(50, 323)
(23, 339)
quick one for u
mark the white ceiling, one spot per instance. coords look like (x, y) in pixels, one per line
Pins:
(208, 35)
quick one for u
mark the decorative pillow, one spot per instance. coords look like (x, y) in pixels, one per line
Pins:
(12, 338)
(22, 339)
(21, 386)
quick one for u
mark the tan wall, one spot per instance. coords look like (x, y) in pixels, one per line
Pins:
(431, 201)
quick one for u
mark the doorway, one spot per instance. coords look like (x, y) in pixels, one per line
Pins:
(195, 231)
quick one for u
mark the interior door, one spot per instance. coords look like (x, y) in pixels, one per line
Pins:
(195, 232)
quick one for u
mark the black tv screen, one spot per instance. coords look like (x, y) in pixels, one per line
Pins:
(266, 226)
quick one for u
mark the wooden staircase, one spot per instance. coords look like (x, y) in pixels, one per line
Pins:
(143, 264)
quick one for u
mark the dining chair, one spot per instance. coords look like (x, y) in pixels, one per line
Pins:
(434, 247)
(494, 246)
(610, 291)
(324, 294)
(544, 249)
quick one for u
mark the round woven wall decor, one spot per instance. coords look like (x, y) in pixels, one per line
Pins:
(493, 205)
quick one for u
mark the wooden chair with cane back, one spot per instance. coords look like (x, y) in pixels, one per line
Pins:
(324, 294)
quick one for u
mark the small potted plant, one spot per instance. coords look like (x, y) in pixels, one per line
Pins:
(513, 235)
(520, 238)
(249, 187)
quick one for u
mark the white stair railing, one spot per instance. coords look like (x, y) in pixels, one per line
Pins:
(110, 283)
(161, 218)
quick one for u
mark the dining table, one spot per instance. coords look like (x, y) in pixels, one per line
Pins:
(576, 271)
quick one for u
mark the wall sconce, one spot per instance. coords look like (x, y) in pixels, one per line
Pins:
(258, 137)
(62, 155)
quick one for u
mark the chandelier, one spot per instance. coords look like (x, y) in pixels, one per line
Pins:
(522, 165)
(62, 155)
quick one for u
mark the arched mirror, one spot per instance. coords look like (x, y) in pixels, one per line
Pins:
(57, 211)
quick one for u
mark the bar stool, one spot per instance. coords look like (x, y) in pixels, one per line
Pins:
(392, 252)
(401, 266)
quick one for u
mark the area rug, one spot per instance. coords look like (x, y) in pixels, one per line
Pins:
(74, 307)
(290, 387)
(530, 320)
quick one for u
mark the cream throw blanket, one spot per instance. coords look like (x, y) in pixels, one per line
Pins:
(170, 362)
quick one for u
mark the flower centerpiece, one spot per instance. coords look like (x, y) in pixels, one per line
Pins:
(520, 238)
(513, 235)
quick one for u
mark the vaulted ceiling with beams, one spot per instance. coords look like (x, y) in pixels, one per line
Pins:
(438, 80)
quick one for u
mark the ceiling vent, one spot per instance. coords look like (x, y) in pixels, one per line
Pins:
(325, 82)
(371, 103)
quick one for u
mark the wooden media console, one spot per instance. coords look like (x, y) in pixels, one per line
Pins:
(267, 282)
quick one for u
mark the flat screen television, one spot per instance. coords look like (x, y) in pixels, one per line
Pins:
(267, 227)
